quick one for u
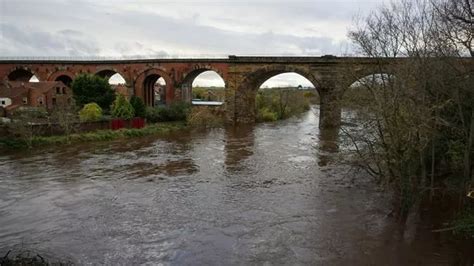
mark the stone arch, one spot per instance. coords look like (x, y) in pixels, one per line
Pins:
(244, 109)
(185, 86)
(145, 81)
(365, 77)
(362, 72)
(22, 73)
(255, 79)
(62, 75)
(190, 75)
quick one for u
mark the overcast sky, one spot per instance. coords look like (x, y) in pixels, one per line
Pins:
(178, 28)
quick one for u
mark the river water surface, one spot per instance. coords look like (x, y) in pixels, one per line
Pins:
(269, 194)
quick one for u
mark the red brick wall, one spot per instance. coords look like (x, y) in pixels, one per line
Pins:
(134, 73)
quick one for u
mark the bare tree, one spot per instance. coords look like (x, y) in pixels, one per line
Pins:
(414, 107)
(66, 117)
(26, 124)
(454, 36)
(455, 25)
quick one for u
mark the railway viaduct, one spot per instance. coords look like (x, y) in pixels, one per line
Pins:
(243, 75)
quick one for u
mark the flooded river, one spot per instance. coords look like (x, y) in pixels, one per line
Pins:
(269, 194)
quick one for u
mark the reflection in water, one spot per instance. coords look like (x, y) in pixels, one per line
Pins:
(328, 144)
(244, 195)
(239, 145)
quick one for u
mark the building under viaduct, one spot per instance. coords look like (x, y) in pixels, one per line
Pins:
(243, 76)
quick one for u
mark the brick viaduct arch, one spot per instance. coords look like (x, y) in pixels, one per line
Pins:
(246, 89)
(62, 75)
(21, 73)
(242, 77)
(145, 81)
(186, 83)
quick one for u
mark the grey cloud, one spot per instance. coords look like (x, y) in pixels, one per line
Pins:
(145, 28)
(137, 49)
(71, 33)
(214, 40)
(33, 42)
(167, 28)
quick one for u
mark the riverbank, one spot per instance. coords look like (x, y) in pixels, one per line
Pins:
(100, 135)
(267, 111)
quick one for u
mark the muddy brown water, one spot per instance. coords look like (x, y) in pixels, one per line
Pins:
(268, 194)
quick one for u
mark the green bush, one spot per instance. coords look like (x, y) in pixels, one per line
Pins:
(276, 104)
(90, 88)
(266, 115)
(138, 105)
(177, 111)
(312, 96)
(199, 93)
(309, 94)
(205, 117)
(155, 114)
(122, 108)
(90, 112)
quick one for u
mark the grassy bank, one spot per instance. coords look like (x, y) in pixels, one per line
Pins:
(101, 135)
(271, 104)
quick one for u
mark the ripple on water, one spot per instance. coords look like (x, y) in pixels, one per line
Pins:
(265, 194)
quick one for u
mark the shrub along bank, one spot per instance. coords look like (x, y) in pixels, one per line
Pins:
(281, 103)
(100, 135)
(177, 111)
(205, 117)
(271, 104)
